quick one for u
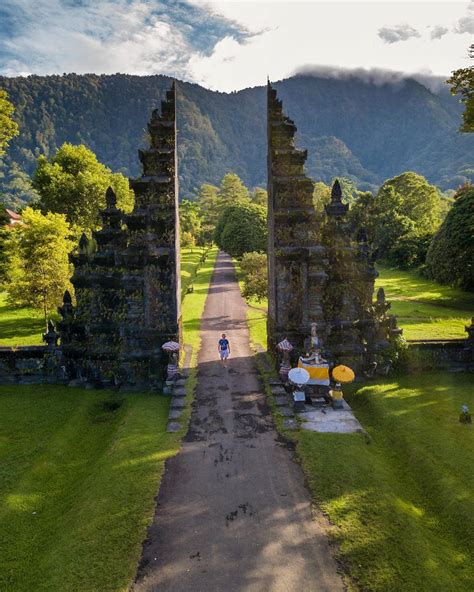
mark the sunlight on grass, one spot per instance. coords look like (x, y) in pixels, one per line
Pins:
(19, 326)
(425, 309)
(401, 498)
(77, 486)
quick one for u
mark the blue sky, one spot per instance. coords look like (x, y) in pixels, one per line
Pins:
(228, 45)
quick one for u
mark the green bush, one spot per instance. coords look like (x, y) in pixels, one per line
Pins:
(450, 258)
(242, 228)
(254, 270)
(410, 250)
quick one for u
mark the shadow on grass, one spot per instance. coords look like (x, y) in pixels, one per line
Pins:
(21, 328)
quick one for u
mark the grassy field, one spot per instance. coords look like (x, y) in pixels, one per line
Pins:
(402, 498)
(192, 309)
(79, 471)
(189, 265)
(425, 309)
(25, 326)
(78, 481)
(20, 326)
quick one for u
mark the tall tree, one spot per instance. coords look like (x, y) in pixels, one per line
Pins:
(259, 196)
(38, 271)
(405, 204)
(190, 223)
(208, 201)
(321, 196)
(73, 182)
(450, 258)
(462, 83)
(242, 228)
(8, 126)
(232, 190)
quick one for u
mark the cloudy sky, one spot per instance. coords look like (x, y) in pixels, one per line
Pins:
(228, 45)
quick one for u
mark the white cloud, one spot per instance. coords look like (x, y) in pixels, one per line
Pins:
(249, 39)
(465, 25)
(397, 33)
(438, 31)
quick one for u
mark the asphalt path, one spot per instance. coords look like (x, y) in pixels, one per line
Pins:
(233, 513)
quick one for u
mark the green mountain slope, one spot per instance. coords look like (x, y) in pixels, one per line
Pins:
(357, 129)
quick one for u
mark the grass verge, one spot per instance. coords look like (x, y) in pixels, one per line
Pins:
(401, 501)
(425, 309)
(192, 310)
(79, 473)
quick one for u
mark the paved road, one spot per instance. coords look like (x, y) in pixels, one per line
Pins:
(233, 513)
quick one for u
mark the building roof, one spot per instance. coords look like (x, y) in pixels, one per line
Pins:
(13, 215)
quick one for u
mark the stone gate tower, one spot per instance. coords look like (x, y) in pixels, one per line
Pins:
(296, 259)
(151, 261)
(127, 277)
(320, 269)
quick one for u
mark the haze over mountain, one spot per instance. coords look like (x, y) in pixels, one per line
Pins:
(363, 128)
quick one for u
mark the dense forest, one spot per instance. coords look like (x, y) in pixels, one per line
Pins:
(363, 131)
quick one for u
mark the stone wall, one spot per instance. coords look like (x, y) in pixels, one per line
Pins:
(454, 355)
(33, 364)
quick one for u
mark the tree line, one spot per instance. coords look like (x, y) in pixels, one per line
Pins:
(409, 223)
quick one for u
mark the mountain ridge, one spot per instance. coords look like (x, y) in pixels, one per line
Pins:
(356, 128)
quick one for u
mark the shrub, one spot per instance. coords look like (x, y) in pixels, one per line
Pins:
(254, 270)
(410, 250)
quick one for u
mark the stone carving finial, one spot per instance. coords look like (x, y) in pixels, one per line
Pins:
(83, 243)
(51, 337)
(336, 192)
(110, 198)
(67, 298)
(335, 207)
(66, 310)
(470, 331)
(381, 305)
(362, 236)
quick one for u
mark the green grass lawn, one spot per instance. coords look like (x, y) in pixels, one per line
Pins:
(425, 309)
(190, 259)
(78, 478)
(402, 499)
(77, 485)
(20, 326)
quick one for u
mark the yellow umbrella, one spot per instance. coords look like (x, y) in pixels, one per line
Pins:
(343, 374)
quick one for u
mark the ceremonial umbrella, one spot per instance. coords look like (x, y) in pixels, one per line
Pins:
(284, 345)
(170, 346)
(343, 374)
